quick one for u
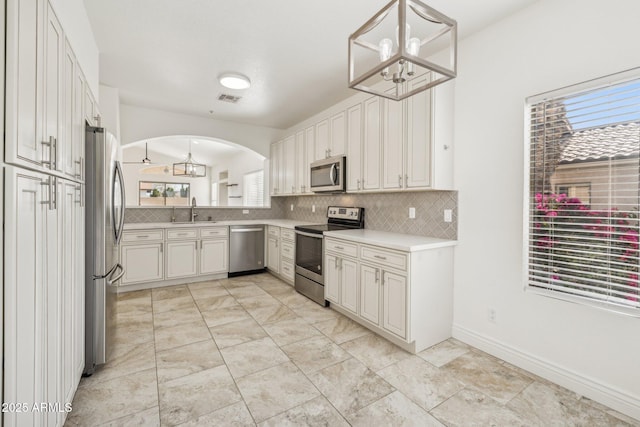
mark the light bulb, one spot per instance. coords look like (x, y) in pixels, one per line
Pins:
(413, 48)
(385, 46)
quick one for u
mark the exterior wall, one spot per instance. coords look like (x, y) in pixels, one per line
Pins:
(549, 45)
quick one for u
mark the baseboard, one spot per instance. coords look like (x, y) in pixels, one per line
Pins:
(584, 386)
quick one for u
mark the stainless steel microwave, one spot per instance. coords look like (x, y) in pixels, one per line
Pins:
(328, 175)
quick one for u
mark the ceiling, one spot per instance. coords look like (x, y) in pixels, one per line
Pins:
(167, 54)
(208, 151)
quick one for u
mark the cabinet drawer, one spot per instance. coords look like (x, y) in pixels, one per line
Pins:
(141, 235)
(340, 246)
(287, 250)
(287, 234)
(214, 232)
(287, 270)
(273, 231)
(184, 233)
(384, 257)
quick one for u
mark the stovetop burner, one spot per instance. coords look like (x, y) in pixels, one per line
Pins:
(338, 218)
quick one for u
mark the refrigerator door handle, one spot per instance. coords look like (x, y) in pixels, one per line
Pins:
(111, 281)
(118, 179)
(104, 276)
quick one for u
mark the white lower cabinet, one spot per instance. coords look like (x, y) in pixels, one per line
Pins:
(43, 295)
(273, 254)
(156, 256)
(143, 262)
(181, 259)
(407, 297)
(281, 252)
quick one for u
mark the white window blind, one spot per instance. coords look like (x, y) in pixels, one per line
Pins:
(584, 192)
(253, 188)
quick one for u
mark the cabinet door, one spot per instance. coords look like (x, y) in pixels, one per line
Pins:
(79, 125)
(78, 290)
(302, 168)
(332, 278)
(288, 168)
(181, 259)
(322, 140)
(90, 107)
(349, 276)
(354, 148)
(392, 145)
(276, 168)
(53, 99)
(370, 293)
(371, 166)
(214, 256)
(418, 155)
(25, 293)
(338, 133)
(273, 254)
(68, 144)
(394, 303)
(309, 142)
(142, 263)
(23, 82)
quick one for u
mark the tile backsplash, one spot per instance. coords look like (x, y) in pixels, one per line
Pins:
(387, 211)
(383, 211)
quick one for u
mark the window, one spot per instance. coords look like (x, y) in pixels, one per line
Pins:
(584, 192)
(163, 193)
(253, 188)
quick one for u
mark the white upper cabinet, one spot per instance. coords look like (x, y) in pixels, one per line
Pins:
(24, 73)
(288, 166)
(338, 134)
(354, 148)
(372, 146)
(44, 129)
(389, 145)
(276, 165)
(322, 139)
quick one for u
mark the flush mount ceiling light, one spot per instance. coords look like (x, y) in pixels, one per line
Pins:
(406, 48)
(234, 81)
(189, 168)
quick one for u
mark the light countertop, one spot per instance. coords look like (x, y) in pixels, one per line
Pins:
(401, 242)
(285, 223)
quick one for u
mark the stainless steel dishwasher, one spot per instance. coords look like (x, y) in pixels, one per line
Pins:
(246, 249)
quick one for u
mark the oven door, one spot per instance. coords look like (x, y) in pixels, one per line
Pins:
(309, 255)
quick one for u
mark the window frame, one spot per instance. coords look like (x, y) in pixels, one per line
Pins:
(590, 85)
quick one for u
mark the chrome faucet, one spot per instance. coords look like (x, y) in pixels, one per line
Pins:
(193, 210)
(173, 215)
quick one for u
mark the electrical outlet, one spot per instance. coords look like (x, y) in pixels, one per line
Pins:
(412, 213)
(448, 215)
(245, 211)
(491, 315)
(291, 207)
(313, 208)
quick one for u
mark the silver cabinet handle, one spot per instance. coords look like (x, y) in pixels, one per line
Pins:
(161, 247)
(79, 174)
(335, 263)
(377, 275)
(400, 181)
(51, 143)
(358, 187)
(406, 180)
(51, 189)
(81, 167)
(143, 236)
(340, 247)
(183, 234)
(329, 151)
(380, 257)
(200, 244)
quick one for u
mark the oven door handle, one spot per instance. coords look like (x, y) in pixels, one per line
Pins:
(315, 236)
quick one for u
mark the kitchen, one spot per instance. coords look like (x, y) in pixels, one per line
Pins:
(573, 345)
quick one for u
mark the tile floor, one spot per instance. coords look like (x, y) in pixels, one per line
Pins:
(250, 350)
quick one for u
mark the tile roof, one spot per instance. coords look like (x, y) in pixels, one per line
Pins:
(618, 141)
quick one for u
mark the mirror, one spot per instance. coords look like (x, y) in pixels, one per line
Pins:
(235, 175)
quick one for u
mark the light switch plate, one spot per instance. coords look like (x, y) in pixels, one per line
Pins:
(412, 213)
(291, 207)
(245, 211)
(313, 208)
(448, 215)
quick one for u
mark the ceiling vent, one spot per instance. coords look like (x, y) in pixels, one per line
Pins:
(229, 98)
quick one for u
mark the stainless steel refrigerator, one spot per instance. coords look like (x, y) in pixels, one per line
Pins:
(105, 203)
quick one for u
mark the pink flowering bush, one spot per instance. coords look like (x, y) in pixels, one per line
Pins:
(580, 247)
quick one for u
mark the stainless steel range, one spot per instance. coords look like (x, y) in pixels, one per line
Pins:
(309, 279)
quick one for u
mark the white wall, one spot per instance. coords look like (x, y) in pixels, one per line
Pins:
(552, 44)
(110, 109)
(137, 123)
(73, 18)
(237, 166)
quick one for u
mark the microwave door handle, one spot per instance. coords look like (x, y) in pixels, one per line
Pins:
(332, 174)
